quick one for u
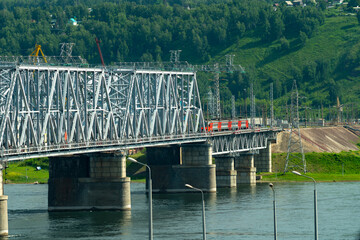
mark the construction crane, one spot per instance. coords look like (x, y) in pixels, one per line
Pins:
(98, 45)
(35, 53)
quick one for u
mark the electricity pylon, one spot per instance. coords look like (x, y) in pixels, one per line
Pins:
(295, 158)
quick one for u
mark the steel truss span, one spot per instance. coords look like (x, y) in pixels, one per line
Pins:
(248, 140)
(47, 111)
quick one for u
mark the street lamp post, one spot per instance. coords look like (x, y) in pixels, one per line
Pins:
(274, 207)
(315, 202)
(150, 196)
(203, 208)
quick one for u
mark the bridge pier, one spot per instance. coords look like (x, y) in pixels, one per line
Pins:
(96, 182)
(4, 227)
(173, 167)
(246, 172)
(263, 160)
(225, 173)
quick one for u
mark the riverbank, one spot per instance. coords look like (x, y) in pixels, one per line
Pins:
(319, 177)
(324, 167)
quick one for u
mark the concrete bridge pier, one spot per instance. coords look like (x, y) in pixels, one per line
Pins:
(246, 172)
(89, 182)
(225, 172)
(174, 166)
(263, 160)
(4, 227)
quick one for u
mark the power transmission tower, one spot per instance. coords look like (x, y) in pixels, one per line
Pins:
(295, 148)
(66, 49)
(211, 104)
(175, 56)
(229, 61)
(233, 113)
(271, 104)
(217, 69)
(252, 107)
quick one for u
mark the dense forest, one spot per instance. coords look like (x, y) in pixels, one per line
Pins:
(205, 30)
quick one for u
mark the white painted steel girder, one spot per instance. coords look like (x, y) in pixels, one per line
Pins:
(59, 107)
(248, 140)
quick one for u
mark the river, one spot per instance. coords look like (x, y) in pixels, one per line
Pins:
(239, 213)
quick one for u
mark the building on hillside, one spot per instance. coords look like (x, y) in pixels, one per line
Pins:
(289, 3)
(297, 3)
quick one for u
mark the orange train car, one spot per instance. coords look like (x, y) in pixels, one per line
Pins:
(227, 125)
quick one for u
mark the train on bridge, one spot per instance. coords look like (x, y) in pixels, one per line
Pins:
(226, 125)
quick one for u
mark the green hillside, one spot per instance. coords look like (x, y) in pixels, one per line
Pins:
(317, 44)
(333, 45)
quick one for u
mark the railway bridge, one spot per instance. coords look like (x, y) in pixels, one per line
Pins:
(85, 119)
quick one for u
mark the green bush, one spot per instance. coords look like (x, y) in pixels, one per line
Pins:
(36, 162)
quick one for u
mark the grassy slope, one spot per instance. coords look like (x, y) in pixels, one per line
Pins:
(17, 174)
(344, 166)
(331, 40)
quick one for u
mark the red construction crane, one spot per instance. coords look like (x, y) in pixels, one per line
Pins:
(98, 45)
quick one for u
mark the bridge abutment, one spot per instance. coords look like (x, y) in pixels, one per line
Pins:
(173, 167)
(4, 227)
(263, 160)
(225, 172)
(96, 182)
(246, 172)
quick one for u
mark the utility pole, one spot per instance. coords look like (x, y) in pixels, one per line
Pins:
(271, 104)
(252, 107)
(233, 107)
(293, 160)
(245, 104)
(217, 91)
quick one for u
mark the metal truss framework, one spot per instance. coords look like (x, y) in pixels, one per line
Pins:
(54, 111)
(46, 110)
(248, 140)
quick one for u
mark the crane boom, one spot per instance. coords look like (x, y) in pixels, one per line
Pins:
(98, 45)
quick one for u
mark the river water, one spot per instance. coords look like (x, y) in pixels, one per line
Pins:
(240, 213)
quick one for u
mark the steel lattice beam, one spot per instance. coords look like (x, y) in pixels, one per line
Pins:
(247, 140)
(46, 108)
(53, 111)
